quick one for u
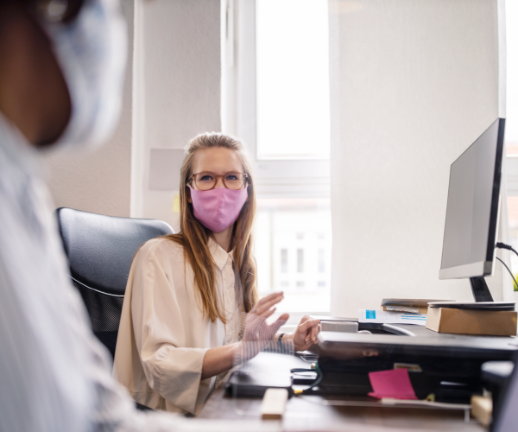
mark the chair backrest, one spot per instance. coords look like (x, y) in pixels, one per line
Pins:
(100, 250)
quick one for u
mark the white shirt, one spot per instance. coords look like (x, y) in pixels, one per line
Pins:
(55, 376)
(164, 333)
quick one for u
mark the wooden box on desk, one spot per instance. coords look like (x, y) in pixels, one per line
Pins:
(475, 322)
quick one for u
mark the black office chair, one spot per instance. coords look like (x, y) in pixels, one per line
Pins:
(100, 250)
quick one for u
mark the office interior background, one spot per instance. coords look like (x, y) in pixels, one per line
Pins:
(353, 111)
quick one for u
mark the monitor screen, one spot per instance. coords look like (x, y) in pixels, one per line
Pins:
(472, 207)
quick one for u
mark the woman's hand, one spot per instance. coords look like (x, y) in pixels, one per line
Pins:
(258, 333)
(306, 333)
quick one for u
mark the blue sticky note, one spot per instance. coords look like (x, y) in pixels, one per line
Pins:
(370, 314)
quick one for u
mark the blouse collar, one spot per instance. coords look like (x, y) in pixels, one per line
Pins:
(219, 255)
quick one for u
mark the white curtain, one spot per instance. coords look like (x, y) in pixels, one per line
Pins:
(413, 84)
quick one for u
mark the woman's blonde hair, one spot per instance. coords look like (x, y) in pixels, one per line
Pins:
(194, 237)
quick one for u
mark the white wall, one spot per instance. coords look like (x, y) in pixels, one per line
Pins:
(177, 88)
(413, 84)
(99, 181)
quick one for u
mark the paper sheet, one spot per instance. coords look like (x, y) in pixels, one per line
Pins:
(393, 384)
(386, 317)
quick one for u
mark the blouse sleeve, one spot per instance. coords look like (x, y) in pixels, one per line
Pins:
(172, 369)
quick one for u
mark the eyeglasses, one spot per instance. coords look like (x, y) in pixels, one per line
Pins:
(207, 180)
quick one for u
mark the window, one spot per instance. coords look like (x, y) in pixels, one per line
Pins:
(321, 260)
(275, 97)
(284, 260)
(292, 79)
(300, 260)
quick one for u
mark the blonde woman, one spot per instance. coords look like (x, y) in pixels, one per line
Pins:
(182, 322)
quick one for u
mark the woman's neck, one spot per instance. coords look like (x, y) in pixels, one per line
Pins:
(224, 238)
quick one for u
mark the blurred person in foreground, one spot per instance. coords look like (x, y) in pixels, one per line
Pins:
(61, 73)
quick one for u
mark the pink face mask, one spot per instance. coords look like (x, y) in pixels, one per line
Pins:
(217, 209)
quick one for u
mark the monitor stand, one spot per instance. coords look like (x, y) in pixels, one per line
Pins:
(480, 289)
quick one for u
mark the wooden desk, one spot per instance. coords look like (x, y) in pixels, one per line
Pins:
(307, 413)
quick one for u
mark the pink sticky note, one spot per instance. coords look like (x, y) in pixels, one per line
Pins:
(393, 383)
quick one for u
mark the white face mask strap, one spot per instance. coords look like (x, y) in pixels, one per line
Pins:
(92, 54)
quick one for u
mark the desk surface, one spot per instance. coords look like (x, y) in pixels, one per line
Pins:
(312, 413)
(308, 413)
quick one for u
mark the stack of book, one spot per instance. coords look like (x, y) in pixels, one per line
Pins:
(412, 306)
(397, 311)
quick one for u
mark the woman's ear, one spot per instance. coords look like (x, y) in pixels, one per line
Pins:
(188, 194)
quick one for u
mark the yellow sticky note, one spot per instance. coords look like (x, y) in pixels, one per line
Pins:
(176, 203)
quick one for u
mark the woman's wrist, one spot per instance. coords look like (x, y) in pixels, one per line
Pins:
(287, 338)
(290, 338)
(220, 359)
(246, 350)
(238, 353)
(281, 337)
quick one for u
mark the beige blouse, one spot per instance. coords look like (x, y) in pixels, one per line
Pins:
(164, 335)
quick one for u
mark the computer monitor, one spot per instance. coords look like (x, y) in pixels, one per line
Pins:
(472, 211)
